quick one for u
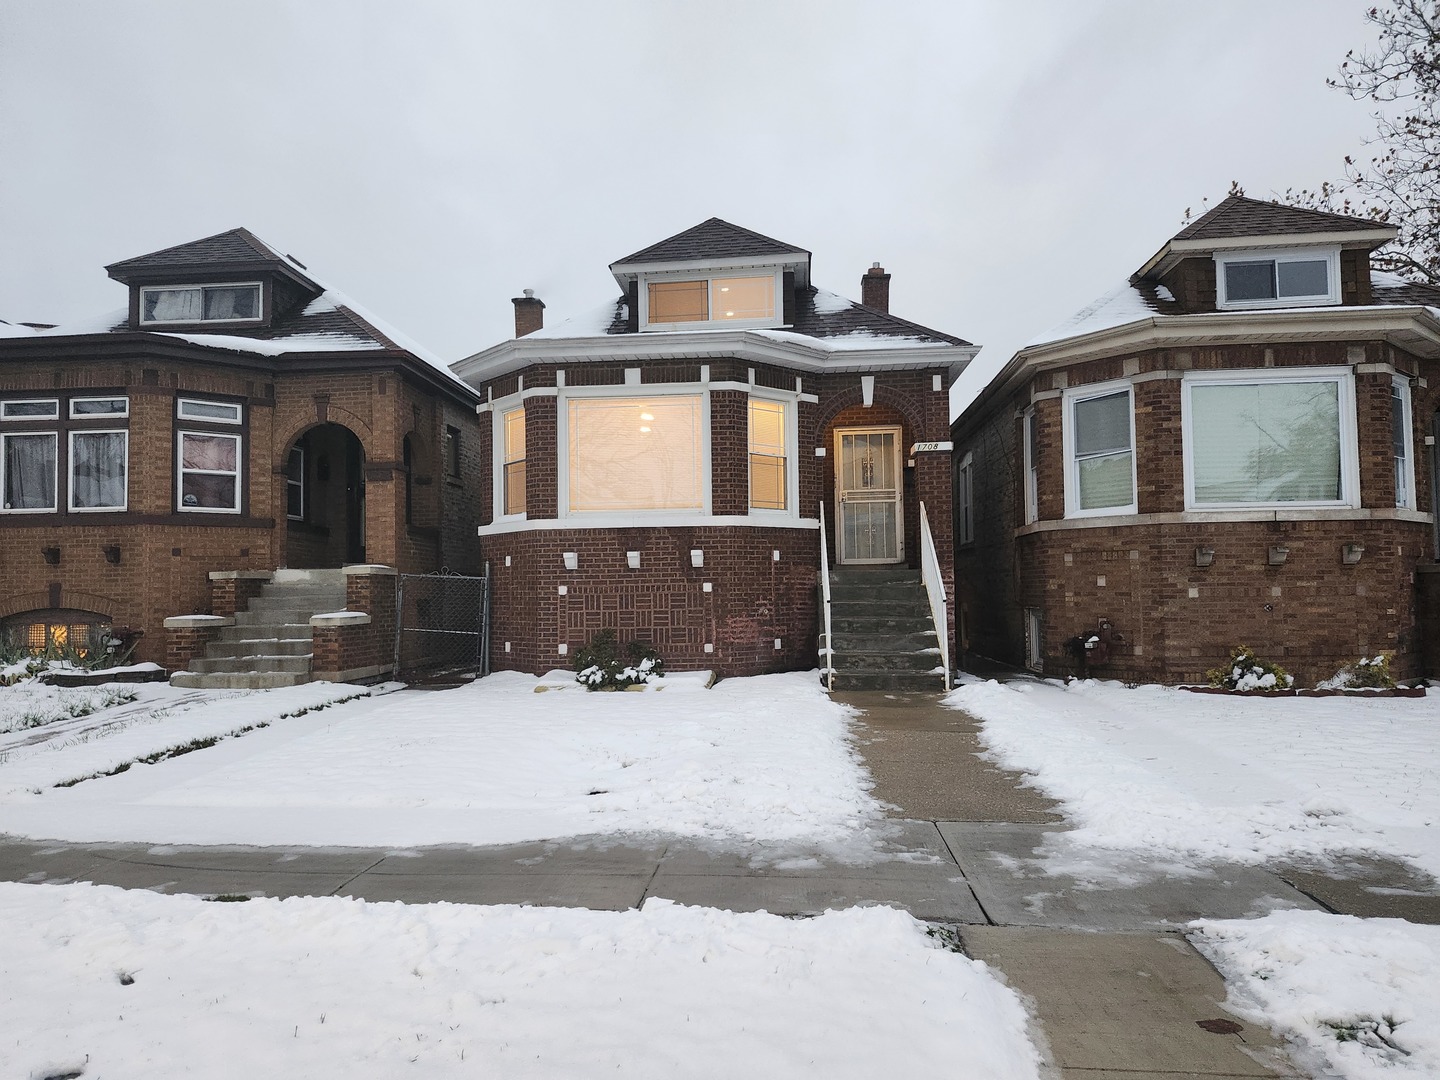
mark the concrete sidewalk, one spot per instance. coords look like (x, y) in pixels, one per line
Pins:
(1116, 988)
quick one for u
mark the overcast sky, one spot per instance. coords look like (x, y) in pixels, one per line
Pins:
(1006, 162)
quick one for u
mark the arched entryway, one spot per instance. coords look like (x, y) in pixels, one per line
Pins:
(325, 499)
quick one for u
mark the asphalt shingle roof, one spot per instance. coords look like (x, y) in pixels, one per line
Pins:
(231, 246)
(1237, 216)
(713, 239)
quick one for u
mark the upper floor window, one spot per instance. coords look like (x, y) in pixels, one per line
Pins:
(1032, 467)
(768, 460)
(680, 303)
(1277, 279)
(1099, 440)
(635, 453)
(965, 500)
(201, 303)
(1267, 438)
(210, 412)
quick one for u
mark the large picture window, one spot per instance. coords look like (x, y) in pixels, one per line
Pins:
(1261, 439)
(635, 453)
(99, 465)
(1100, 451)
(209, 472)
(768, 462)
(28, 479)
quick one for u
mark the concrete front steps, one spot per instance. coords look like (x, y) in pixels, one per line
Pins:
(270, 643)
(884, 637)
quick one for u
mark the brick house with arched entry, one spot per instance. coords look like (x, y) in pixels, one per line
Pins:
(238, 419)
(661, 467)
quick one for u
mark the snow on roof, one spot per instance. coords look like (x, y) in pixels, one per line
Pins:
(828, 303)
(279, 346)
(593, 323)
(1118, 307)
(8, 329)
(854, 341)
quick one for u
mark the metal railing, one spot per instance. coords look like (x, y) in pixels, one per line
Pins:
(827, 640)
(935, 588)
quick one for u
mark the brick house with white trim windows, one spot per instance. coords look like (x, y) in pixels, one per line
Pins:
(1235, 447)
(659, 467)
(239, 417)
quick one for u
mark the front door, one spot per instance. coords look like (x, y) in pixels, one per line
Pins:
(867, 495)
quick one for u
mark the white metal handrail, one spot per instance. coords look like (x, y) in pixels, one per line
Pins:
(827, 647)
(935, 588)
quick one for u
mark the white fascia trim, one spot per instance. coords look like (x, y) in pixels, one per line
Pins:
(1350, 238)
(1203, 517)
(624, 272)
(1329, 298)
(519, 353)
(608, 521)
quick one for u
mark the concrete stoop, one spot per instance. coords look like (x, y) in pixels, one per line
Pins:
(883, 634)
(270, 643)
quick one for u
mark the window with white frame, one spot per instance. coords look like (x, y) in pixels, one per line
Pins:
(1270, 438)
(1099, 438)
(28, 481)
(635, 453)
(211, 412)
(85, 408)
(208, 471)
(1400, 441)
(965, 499)
(680, 303)
(1030, 434)
(512, 434)
(99, 469)
(1277, 279)
(295, 484)
(201, 303)
(30, 409)
(769, 463)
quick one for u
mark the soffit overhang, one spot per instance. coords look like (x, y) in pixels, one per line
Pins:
(1174, 251)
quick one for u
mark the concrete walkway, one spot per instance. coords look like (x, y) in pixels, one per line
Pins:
(1117, 989)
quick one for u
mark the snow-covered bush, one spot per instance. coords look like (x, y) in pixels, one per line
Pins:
(1367, 673)
(1247, 672)
(599, 665)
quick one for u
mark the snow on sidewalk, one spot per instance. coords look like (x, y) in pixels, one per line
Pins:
(764, 759)
(1170, 775)
(1358, 998)
(328, 987)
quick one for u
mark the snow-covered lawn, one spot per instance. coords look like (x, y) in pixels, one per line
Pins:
(131, 984)
(761, 759)
(1357, 997)
(31, 704)
(1169, 775)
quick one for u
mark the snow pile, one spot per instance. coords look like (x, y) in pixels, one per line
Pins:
(764, 759)
(1172, 775)
(131, 983)
(1359, 997)
(829, 303)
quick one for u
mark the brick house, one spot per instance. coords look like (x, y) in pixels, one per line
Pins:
(237, 417)
(659, 466)
(1235, 447)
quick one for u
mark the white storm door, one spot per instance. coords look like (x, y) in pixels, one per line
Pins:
(867, 495)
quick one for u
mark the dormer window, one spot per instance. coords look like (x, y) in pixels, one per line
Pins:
(1263, 279)
(201, 303)
(692, 302)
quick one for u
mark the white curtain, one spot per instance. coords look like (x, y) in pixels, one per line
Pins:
(30, 472)
(97, 469)
(172, 305)
(232, 302)
(635, 453)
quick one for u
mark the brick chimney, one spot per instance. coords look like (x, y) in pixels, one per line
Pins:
(529, 313)
(875, 288)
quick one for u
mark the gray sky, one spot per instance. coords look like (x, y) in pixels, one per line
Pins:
(1007, 163)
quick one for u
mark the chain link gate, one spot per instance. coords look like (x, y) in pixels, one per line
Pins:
(442, 624)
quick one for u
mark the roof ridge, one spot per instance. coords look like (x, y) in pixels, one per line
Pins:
(735, 231)
(1232, 205)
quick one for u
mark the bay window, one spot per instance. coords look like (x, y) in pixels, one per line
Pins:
(28, 480)
(635, 453)
(1400, 428)
(1270, 438)
(512, 434)
(1099, 441)
(208, 472)
(768, 458)
(98, 470)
